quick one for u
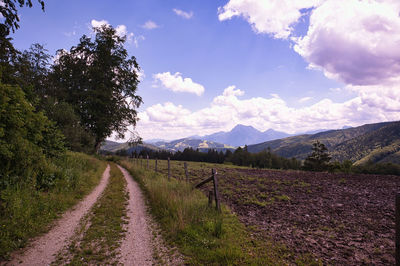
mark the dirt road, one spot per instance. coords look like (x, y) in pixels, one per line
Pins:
(42, 250)
(136, 248)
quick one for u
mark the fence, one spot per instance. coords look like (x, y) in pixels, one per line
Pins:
(212, 195)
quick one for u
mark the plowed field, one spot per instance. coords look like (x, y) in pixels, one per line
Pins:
(340, 219)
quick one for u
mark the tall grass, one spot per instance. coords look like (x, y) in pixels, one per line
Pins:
(202, 234)
(26, 212)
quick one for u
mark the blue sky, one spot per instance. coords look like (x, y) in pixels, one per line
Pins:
(209, 65)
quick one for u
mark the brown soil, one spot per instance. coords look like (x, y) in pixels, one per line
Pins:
(339, 218)
(42, 250)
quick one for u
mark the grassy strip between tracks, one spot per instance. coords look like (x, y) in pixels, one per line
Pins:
(102, 230)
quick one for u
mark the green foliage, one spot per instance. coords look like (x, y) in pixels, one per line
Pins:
(344, 167)
(103, 93)
(377, 168)
(319, 159)
(26, 212)
(263, 159)
(27, 138)
(76, 137)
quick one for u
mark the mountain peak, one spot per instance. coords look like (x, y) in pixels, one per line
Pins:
(243, 127)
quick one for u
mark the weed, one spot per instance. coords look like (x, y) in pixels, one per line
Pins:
(205, 236)
(26, 212)
(102, 237)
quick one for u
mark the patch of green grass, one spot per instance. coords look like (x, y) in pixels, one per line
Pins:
(282, 197)
(204, 236)
(102, 230)
(26, 212)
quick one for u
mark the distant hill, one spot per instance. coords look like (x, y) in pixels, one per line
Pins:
(202, 145)
(174, 146)
(376, 142)
(241, 135)
(113, 146)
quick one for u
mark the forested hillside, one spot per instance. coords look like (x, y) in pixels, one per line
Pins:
(344, 144)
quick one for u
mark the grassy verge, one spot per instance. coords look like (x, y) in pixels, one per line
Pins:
(102, 229)
(26, 212)
(202, 235)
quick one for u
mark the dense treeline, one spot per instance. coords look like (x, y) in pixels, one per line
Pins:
(73, 103)
(240, 157)
(318, 160)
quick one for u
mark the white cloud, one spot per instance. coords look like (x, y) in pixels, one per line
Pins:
(176, 83)
(275, 17)
(304, 99)
(354, 41)
(149, 25)
(183, 14)
(172, 121)
(141, 74)
(99, 23)
(120, 30)
(231, 91)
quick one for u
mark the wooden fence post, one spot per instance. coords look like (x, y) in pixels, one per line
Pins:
(398, 229)
(155, 166)
(216, 193)
(141, 162)
(186, 172)
(147, 167)
(169, 170)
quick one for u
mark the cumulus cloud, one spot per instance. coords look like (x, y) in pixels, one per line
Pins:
(99, 23)
(176, 83)
(354, 41)
(183, 14)
(120, 30)
(275, 17)
(228, 109)
(150, 25)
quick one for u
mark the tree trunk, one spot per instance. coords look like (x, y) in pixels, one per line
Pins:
(97, 145)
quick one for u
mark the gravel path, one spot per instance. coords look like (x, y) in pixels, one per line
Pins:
(136, 248)
(42, 251)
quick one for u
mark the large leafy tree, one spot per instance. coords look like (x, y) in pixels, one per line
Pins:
(99, 79)
(319, 159)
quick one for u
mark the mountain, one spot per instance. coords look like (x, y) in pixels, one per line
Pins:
(202, 145)
(113, 146)
(151, 141)
(375, 142)
(241, 135)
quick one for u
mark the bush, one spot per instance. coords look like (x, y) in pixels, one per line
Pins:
(377, 168)
(27, 212)
(27, 139)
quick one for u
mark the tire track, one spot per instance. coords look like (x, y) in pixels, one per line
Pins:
(42, 251)
(136, 248)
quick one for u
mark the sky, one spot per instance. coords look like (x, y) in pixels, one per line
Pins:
(206, 66)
